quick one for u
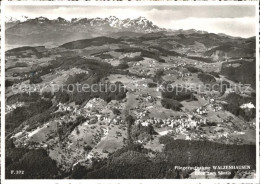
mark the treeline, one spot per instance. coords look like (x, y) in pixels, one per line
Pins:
(133, 162)
(165, 52)
(98, 41)
(205, 60)
(22, 52)
(133, 59)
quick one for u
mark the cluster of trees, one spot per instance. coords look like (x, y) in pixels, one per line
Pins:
(43, 70)
(23, 97)
(158, 76)
(116, 111)
(169, 103)
(215, 74)
(151, 84)
(133, 59)
(20, 114)
(193, 69)
(124, 62)
(224, 85)
(78, 78)
(173, 95)
(234, 101)
(8, 83)
(165, 52)
(143, 133)
(206, 78)
(62, 96)
(129, 122)
(99, 68)
(35, 79)
(178, 93)
(66, 128)
(122, 66)
(21, 64)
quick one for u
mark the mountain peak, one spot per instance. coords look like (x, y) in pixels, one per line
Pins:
(61, 20)
(41, 18)
(113, 17)
(141, 18)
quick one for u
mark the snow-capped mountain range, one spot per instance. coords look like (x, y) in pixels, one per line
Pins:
(140, 24)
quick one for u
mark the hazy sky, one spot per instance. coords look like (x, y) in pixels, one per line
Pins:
(232, 20)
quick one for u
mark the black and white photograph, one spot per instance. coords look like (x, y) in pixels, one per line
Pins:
(143, 91)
